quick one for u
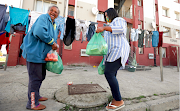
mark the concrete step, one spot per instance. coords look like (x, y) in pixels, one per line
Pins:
(139, 68)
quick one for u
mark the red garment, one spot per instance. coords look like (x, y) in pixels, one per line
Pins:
(4, 40)
(160, 39)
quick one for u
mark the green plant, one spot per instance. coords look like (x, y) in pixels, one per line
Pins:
(140, 97)
(162, 94)
(85, 70)
(156, 95)
(110, 98)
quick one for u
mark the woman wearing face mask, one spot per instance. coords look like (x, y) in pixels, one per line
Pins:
(118, 53)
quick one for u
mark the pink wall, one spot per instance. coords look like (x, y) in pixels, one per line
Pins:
(144, 59)
(102, 5)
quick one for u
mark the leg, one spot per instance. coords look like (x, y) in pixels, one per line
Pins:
(110, 74)
(43, 74)
(35, 80)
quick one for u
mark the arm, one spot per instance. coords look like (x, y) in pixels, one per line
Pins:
(101, 29)
(118, 27)
(40, 31)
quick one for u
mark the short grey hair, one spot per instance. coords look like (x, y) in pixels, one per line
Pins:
(54, 6)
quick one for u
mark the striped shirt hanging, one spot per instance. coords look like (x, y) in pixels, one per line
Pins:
(118, 45)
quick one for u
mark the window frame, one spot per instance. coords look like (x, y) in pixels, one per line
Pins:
(165, 50)
(101, 16)
(167, 34)
(142, 50)
(139, 2)
(72, 8)
(177, 33)
(44, 1)
(166, 11)
(177, 15)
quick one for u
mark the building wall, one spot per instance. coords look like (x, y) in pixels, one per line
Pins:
(28, 4)
(149, 14)
(84, 11)
(169, 21)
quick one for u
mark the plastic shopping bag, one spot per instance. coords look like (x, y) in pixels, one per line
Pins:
(52, 56)
(101, 68)
(97, 46)
(55, 67)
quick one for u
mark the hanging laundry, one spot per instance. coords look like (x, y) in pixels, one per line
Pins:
(34, 16)
(17, 15)
(141, 39)
(155, 38)
(160, 39)
(127, 34)
(4, 40)
(1, 33)
(60, 23)
(91, 30)
(2, 14)
(70, 32)
(134, 34)
(81, 25)
(148, 37)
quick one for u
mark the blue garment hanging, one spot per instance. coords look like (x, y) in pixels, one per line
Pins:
(60, 23)
(17, 15)
(2, 14)
(155, 38)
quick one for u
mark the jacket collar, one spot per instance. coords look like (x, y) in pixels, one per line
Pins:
(50, 18)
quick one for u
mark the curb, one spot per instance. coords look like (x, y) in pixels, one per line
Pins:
(164, 104)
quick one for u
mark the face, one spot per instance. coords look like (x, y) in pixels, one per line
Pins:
(107, 18)
(53, 13)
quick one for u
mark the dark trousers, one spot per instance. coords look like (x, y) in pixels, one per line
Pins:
(110, 72)
(37, 73)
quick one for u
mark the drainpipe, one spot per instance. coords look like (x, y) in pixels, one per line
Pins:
(21, 4)
(75, 7)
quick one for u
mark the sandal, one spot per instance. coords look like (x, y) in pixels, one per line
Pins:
(115, 107)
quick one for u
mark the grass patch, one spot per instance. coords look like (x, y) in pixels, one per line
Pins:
(162, 94)
(155, 94)
(110, 98)
(140, 97)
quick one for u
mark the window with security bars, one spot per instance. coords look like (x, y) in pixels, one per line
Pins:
(43, 5)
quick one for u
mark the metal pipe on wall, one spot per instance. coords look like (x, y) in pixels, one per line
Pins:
(75, 8)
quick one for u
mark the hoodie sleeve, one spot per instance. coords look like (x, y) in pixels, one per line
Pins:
(41, 31)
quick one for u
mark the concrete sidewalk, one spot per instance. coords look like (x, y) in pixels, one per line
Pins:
(141, 90)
